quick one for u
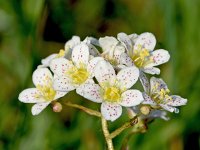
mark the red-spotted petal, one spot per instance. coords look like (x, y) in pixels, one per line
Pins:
(146, 40)
(90, 91)
(42, 76)
(145, 82)
(131, 98)
(125, 40)
(128, 76)
(148, 100)
(108, 43)
(92, 64)
(63, 84)
(60, 65)
(30, 96)
(39, 107)
(176, 101)
(46, 61)
(80, 54)
(59, 94)
(157, 84)
(111, 111)
(126, 60)
(104, 72)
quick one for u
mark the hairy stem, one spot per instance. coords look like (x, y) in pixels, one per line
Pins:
(106, 134)
(126, 125)
(85, 109)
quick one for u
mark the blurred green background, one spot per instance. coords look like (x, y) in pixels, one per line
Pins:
(32, 29)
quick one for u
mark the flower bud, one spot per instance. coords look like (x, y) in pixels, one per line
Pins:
(57, 107)
(145, 110)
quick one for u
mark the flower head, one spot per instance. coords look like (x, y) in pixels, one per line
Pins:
(141, 53)
(112, 90)
(43, 94)
(78, 71)
(159, 98)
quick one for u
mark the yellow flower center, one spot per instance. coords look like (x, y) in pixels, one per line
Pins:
(141, 57)
(78, 75)
(47, 92)
(112, 94)
(161, 95)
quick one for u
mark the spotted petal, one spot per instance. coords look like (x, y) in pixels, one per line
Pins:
(111, 111)
(80, 54)
(131, 98)
(90, 91)
(104, 72)
(148, 100)
(60, 65)
(39, 107)
(42, 76)
(169, 108)
(145, 82)
(126, 60)
(128, 76)
(159, 57)
(119, 49)
(176, 101)
(92, 64)
(63, 84)
(59, 94)
(146, 40)
(151, 70)
(30, 96)
(125, 40)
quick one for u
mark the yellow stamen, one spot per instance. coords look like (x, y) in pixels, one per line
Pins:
(112, 94)
(78, 75)
(47, 92)
(61, 53)
(161, 95)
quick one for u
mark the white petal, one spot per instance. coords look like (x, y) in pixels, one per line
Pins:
(125, 40)
(90, 92)
(128, 76)
(145, 82)
(80, 54)
(59, 94)
(108, 43)
(148, 100)
(60, 65)
(37, 108)
(117, 53)
(104, 72)
(73, 42)
(133, 38)
(42, 76)
(92, 64)
(93, 50)
(146, 40)
(63, 84)
(30, 96)
(91, 40)
(131, 98)
(151, 70)
(169, 108)
(46, 61)
(158, 83)
(176, 101)
(126, 60)
(111, 111)
(158, 114)
(159, 57)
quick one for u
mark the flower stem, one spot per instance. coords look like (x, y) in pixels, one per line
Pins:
(106, 134)
(126, 125)
(85, 109)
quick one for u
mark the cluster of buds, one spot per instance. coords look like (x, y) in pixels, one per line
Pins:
(104, 71)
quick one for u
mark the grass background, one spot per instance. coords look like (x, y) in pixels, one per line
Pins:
(32, 29)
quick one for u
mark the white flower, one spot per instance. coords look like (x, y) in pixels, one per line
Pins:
(72, 74)
(112, 90)
(158, 96)
(112, 49)
(140, 52)
(43, 94)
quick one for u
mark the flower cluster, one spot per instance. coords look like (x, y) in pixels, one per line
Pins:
(104, 71)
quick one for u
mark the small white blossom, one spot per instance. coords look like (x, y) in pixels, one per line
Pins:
(72, 74)
(43, 94)
(113, 91)
(141, 53)
(158, 96)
